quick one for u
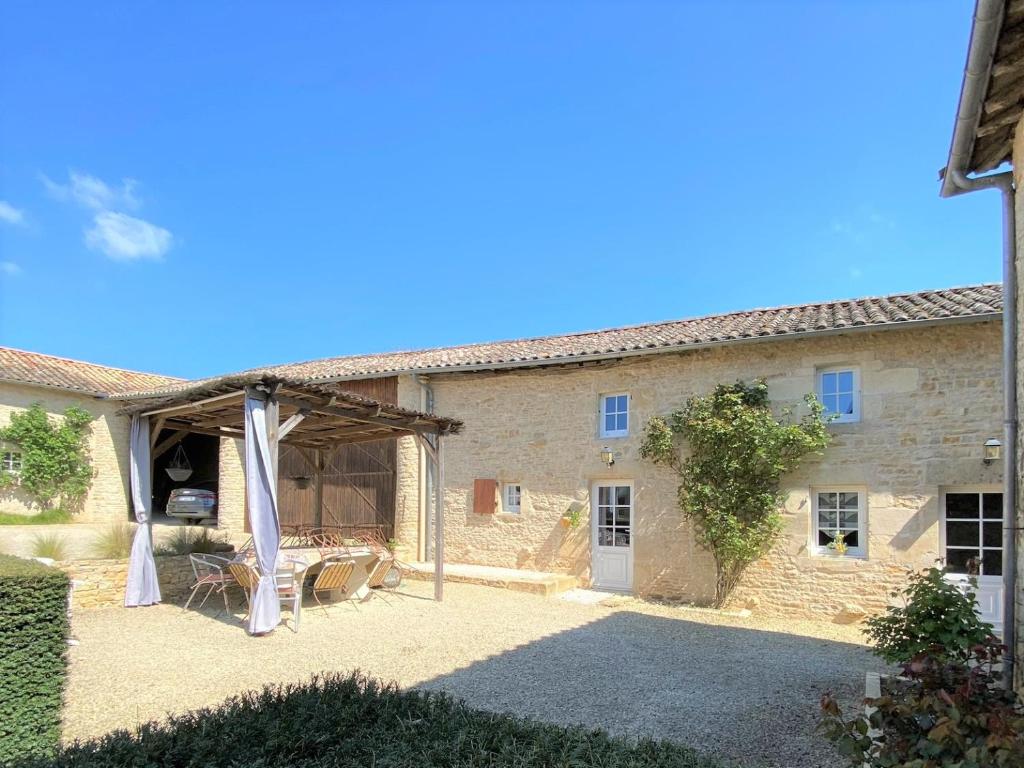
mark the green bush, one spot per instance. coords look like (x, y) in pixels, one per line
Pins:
(936, 617)
(354, 721)
(46, 517)
(115, 541)
(186, 541)
(942, 713)
(50, 544)
(33, 641)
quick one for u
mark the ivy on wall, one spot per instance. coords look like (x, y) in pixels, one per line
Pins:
(737, 453)
(55, 464)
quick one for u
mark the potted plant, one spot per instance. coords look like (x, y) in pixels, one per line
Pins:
(838, 544)
(572, 517)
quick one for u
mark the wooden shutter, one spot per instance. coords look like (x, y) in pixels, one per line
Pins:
(485, 497)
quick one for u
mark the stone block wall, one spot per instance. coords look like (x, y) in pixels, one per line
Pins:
(102, 582)
(930, 399)
(108, 449)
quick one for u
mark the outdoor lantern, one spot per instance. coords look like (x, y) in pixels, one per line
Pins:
(993, 449)
(607, 456)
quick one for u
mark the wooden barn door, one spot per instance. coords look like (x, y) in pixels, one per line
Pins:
(357, 481)
(359, 486)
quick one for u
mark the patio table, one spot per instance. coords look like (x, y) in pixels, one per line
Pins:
(365, 558)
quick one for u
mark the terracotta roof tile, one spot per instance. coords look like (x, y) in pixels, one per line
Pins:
(46, 370)
(979, 302)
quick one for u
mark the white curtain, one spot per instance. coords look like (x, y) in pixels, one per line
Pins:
(261, 495)
(142, 587)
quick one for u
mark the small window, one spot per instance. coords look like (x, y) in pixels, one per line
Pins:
(615, 415)
(10, 461)
(839, 392)
(511, 498)
(840, 525)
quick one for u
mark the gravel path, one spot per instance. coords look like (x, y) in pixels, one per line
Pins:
(742, 688)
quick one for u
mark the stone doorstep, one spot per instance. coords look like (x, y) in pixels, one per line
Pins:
(533, 582)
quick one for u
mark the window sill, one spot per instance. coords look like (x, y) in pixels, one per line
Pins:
(827, 554)
(616, 436)
(508, 515)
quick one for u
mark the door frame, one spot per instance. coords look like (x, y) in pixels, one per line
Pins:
(977, 488)
(632, 530)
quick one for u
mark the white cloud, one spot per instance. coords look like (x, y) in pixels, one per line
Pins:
(10, 214)
(9, 268)
(92, 192)
(125, 238)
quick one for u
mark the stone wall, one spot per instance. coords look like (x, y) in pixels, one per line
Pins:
(930, 399)
(108, 448)
(101, 583)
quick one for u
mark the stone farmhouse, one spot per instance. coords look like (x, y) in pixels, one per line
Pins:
(546, 473)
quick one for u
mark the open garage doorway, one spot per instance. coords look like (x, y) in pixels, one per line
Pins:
(190, 497)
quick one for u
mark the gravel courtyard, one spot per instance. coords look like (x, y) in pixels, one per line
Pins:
(741, 688)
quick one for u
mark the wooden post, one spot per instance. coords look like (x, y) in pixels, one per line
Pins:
(439, 524)
(318, 494)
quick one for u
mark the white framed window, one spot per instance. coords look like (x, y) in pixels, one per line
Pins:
(10, 461)
(839, 519)
(615, 414)
(839, 392)
(511, 498)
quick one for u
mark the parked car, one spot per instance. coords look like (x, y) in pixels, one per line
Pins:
(194, 504)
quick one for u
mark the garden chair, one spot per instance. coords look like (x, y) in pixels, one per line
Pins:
(288, 578)
(334, 576)
(211, 572)
(385, 577)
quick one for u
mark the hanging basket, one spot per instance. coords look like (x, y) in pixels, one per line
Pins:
(179, 468)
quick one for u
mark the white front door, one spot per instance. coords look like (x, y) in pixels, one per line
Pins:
(612, 535)
(972, 536)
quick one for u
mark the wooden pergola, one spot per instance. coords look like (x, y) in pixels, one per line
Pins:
(310, 416)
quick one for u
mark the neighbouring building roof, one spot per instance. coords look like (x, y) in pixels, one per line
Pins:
(34, 368)
(996, 45)
(980, 302)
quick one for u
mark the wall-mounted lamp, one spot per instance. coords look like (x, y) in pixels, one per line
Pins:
(607, 456)
(993, 450)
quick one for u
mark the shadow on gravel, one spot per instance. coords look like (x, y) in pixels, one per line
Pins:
(743, 694)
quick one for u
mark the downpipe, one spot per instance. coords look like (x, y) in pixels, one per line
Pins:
(1004, 183)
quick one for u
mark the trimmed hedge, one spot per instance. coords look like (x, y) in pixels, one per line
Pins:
(356, 721)
(33, 643)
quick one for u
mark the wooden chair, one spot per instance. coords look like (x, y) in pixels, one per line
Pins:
(385, 577)
(288, 579)
(334, 576)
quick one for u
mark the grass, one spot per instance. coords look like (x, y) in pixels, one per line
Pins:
(50, 544)
(46, 517)
(115, 541)
(187, 540)
(357, 721)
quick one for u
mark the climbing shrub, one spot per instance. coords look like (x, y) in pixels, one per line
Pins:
(737, 453)
(933, 616)
(54, 455)
(33, 640)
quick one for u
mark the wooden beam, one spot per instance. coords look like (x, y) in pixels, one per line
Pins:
(293, 421)
(408, 423)
(169, 443)
(156, 427)
(197, 407)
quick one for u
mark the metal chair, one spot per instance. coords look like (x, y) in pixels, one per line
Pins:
(288, 579)
(334, 576)
(209, 571)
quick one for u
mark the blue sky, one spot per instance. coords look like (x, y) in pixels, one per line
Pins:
(196, 188)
